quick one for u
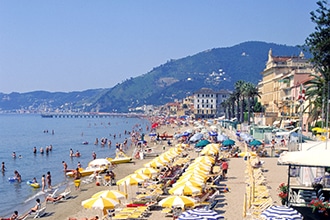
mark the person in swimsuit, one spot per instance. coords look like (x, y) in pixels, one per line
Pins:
(43, 182)
(49, 180)
(36, 207)
(3, 167)
(14, 216)
(65, 166)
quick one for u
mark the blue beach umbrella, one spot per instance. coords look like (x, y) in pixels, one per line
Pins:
(196, 137)
(186, 134)
(207, 214)
(190, 217)
(213, 133)
(281, 212)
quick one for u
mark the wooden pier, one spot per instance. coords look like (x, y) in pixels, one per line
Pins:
(91, 115)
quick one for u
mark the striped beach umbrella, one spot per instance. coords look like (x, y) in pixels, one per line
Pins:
(177, 201)
(147, 171)
(114, 194)
(281, 212)
(130, 180)
(190, 217)
(207, 214)
(185, 190)
(100, 203)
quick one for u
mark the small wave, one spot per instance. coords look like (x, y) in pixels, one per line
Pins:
(36, 195)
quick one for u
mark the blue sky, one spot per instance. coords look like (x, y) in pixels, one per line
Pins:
(77, 45)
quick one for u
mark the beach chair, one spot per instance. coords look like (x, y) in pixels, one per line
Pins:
(66, 194)
(40, 212)
(53, 194)
(89, 179)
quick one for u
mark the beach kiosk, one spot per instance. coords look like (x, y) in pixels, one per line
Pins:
(308, 179)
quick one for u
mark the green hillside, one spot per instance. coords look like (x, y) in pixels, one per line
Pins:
(217, 69)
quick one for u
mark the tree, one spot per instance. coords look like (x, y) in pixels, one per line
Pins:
(250, 91)
(239, 94)
(318, 44)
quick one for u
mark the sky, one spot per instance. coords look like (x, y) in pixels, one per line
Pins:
(75, 45)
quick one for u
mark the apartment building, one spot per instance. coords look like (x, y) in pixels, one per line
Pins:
(280, 85)
(207, 103)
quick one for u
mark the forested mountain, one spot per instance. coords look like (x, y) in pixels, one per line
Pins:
(217, 68)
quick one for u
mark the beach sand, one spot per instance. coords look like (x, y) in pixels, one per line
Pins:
(231, 206)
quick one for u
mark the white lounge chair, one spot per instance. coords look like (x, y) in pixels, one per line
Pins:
(40, 212)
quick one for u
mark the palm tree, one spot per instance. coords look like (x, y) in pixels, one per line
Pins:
(316, 93)
(251, 91)
(239, 88)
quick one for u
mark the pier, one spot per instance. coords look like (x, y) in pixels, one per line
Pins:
(91, 115)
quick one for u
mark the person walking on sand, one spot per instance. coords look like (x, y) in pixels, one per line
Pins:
(224, 167)
(43, 182)
(49, 180)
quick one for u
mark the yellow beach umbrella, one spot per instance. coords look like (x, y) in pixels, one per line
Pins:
(130, 180)
(205, 159)
(177, 201)
(189, 183)
(100, 203)
(114, 194)
(201, 167)
(163, 159)
(140, 175)
(246, 154)
(197, 171)
(147, 171)
(185, 190)
(157, 163)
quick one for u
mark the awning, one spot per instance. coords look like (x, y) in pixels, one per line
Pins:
(309, 158)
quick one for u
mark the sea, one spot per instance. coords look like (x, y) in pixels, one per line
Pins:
(20, 133)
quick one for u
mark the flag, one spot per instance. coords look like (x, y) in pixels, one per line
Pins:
(301, 97)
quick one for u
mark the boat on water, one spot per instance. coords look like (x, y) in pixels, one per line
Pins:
(97, 165)
(121, 157)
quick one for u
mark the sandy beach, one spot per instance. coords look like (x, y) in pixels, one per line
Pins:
(231, 206)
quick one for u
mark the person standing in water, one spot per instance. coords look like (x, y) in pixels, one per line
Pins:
(3, 167)
(49, 180)
(43, 182)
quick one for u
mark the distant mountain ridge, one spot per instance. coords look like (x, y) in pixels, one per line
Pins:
(217, 68)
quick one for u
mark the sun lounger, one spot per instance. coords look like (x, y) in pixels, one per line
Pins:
(40, 212)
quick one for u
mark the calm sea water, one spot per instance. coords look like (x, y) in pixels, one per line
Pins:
(20, 133)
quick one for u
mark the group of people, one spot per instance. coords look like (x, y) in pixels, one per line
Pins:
(72, 154)
(42, 151)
